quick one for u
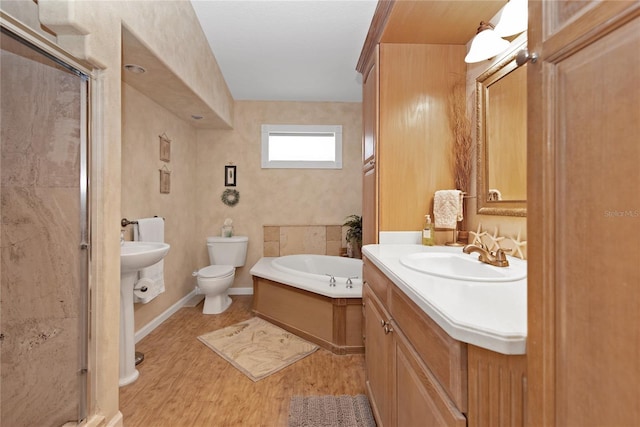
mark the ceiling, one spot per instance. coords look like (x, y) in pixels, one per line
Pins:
(295, 50)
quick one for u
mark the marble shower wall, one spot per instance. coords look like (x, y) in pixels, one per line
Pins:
(40, 236)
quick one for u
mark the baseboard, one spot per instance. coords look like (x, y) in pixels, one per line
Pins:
(186, 301)
(241, 291)
(149, 327)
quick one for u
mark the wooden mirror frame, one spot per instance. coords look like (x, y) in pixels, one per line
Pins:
(484, 80)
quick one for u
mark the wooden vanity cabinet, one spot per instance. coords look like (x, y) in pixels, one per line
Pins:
(402, 387)
(378, 355)
(418, 375)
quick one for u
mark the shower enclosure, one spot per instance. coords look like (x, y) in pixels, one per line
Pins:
(43, 237)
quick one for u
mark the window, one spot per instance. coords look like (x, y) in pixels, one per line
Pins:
(302, 146)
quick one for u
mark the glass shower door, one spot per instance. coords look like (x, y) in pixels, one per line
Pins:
(44, 256)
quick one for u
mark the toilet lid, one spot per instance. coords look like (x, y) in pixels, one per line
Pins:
(216, 271)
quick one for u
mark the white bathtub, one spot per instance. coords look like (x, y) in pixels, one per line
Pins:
(313, 273)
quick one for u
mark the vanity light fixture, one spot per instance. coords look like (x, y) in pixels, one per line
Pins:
(135, 69)
(486, 44)
(513, 19)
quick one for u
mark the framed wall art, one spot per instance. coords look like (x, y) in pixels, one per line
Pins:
(165, 180)
(230, 176)
(165, 148)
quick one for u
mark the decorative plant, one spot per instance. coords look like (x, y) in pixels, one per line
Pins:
(462, 142)
(354, 234)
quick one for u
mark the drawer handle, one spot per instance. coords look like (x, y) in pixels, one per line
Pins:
(387, 328)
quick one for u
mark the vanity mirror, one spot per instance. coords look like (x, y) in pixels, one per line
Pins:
(501, 101)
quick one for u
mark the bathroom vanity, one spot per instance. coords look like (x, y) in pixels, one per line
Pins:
(441, 351)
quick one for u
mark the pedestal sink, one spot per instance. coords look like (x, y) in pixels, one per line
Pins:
(134, 256)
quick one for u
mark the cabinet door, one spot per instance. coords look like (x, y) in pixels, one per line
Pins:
(420, 400)
(369, 144)
(378, 355)
(583, 156)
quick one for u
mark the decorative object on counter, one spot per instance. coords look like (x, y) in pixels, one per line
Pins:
(428, 232)
(230, 197)
(354, 235)
(477, 235)
(518, 245)
(165, 180)
(495, 240)
(462, 140)
(492, 241)
(165, 148)
(447, 209)
(230, 176)
(227, 228)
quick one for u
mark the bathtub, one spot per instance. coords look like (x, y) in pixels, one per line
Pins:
(294, 293)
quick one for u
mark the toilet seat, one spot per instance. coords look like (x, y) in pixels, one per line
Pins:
(216, 271)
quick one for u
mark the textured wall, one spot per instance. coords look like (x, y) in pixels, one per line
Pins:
(91, 30)
(276, 196)
(142, 122)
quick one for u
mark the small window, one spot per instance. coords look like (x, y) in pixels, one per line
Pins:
(302, 146)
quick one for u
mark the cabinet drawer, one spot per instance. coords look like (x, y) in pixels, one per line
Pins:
(445, 356)
(420, 400)
(378, 282)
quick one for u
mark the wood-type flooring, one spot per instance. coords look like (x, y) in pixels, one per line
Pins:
(184, 383)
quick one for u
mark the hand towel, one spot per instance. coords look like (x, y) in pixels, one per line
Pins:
(150, 230)
(447, 208)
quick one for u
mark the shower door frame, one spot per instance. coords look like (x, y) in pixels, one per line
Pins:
(33, 40)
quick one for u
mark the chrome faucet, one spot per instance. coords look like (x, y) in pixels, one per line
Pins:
(332, 280)
(495, 258)
(350, 282)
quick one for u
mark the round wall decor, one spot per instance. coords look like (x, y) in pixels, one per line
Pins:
(230, 197)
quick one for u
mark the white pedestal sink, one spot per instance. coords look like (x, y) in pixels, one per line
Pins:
(133, 257)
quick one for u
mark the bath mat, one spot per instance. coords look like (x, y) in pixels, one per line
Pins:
(257, 348)
(330, 411)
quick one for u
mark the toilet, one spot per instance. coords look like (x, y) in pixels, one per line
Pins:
(214, 281)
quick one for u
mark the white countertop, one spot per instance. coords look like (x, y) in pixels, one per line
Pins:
(491, 315)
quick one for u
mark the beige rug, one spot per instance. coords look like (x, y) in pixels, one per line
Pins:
(330, 411)
(257, 348)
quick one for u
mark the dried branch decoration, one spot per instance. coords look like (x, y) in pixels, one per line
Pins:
(462, 143)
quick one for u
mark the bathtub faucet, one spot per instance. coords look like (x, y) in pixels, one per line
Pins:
(332, 280)
(349, 282)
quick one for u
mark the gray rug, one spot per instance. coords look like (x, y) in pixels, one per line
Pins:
(330, 411)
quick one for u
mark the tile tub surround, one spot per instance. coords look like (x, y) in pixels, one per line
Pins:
(489, 315)
(302, 239)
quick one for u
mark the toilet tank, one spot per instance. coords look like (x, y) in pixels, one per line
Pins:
(228, 250)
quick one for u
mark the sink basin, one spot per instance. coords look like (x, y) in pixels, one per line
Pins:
(463, 267)
(137, 255)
